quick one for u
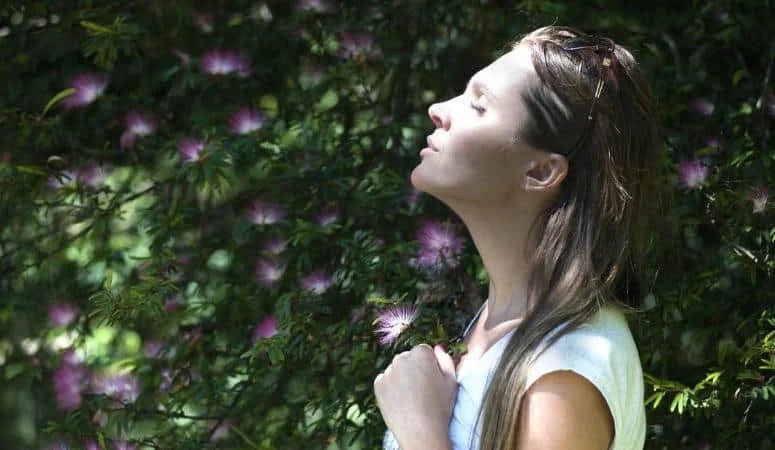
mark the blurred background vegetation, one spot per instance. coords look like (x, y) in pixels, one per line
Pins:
(204, 205)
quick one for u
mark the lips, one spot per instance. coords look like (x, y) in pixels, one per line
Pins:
(430, 144)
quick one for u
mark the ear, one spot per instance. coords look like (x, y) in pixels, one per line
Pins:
(546, 173)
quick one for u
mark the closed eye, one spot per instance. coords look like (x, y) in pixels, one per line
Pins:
(477, 108)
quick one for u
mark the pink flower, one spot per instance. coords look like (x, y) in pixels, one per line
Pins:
(123, 445)
(172, 304)
(137, 125)
(327, 216)
(316, 282)
(124, 388)
(62, 314)
(70, 380)
(225, 62)
(88, 87)
(394, 320)
(247, 120)
(318, 6)
(274, 246)
(191, 149)
(692, 173)
(268, 271)
(701, 106)
(263, 213)
(714, 142)
(94, 175)
(265, 329)
(154, 348)
(221, 431)
(439, 244)
(353, 45)
(759, 199)
(204, 21)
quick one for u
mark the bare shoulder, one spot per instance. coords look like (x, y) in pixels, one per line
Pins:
(563, 410)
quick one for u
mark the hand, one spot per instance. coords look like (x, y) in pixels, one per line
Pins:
(416, 395)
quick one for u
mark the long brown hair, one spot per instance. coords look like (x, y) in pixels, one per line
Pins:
(586, 248)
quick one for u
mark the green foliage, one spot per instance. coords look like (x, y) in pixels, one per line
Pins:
(157, 252)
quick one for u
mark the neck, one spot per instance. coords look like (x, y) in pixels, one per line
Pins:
(500, 232)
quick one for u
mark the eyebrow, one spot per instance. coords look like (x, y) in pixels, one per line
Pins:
(478, 85)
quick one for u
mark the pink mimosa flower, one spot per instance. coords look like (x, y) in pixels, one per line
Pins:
(137, 125)
(701, 106)
(692, 173)
(318, 6)
(274, 246)
(759, 199)
(439, 244)
(124, 388)
(191, 149)
(394, 320)
(221, 431)
(268, 271)
(93, 175)
(172, 304)
(225, 62)
(154, 348)
(123, 445)
(265, 329)
(327, 216)
(204, 21)
(262, 213)
(316, 282)
(714, 142)
(247, 120)
(59, 445)
(62, 314)
(70, 381)
(353, 45)
(88, 87)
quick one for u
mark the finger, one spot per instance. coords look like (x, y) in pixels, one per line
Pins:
(446, 364)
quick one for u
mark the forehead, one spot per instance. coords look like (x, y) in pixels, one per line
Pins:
(508, 74)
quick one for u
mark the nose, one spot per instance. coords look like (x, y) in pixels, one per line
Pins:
(439, 116)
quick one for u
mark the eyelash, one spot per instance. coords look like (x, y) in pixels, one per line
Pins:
(477, 108)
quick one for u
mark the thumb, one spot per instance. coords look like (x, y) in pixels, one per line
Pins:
(446, 364)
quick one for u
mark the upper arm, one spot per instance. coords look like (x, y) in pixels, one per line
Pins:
(563, 410)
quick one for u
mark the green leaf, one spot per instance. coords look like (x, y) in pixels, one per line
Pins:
(57, 98)
(35, 170)
(276, 356)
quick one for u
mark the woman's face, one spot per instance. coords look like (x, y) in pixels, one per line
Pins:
(473, 155)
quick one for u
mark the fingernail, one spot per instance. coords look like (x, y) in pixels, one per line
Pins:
(440, 347)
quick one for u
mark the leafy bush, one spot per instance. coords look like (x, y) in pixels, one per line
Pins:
(206, 207)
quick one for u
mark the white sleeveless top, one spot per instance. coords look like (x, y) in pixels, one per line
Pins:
(601, 350)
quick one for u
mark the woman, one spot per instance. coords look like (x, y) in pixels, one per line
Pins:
(547, 158)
